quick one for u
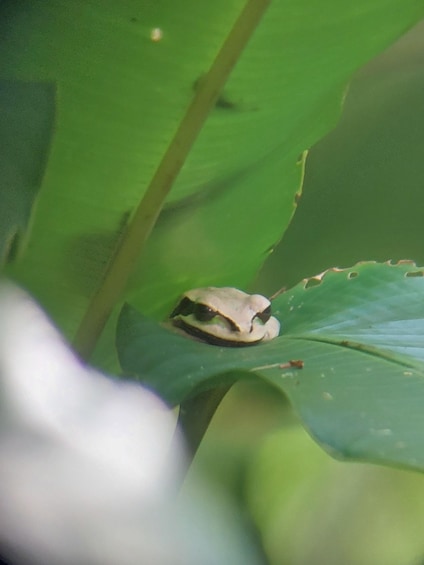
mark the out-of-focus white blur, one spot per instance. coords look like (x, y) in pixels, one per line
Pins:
(88, 469)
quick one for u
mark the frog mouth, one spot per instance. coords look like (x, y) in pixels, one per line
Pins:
(205, 337)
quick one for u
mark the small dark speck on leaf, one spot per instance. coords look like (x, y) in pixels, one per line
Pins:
(296, 363)
(133, 20)
(352, 275)
(225, 103)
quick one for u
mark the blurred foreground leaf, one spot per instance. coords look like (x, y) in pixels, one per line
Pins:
(94, 459)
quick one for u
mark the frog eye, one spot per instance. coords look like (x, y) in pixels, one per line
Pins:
(187, 307)
(203, 313)
(265, 315)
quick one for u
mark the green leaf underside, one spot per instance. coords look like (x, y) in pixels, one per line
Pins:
(360, 392)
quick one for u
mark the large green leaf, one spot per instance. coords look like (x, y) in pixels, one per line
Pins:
(123, 90)
(358, 333)
(364, 180)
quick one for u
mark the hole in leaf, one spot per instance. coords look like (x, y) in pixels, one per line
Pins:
(310, 283)
(352, 275)
(415, 274)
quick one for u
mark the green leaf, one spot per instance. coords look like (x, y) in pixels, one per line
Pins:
(358, 333)
(122, 96)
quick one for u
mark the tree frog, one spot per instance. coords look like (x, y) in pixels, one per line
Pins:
(225, 316)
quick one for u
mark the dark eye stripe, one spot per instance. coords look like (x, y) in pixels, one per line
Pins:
(202, 312)
(265, 315)
(184, 308)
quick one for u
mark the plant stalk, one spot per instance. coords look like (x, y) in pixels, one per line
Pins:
(195, 416)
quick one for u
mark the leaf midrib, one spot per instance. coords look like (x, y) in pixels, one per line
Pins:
(365, 349)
